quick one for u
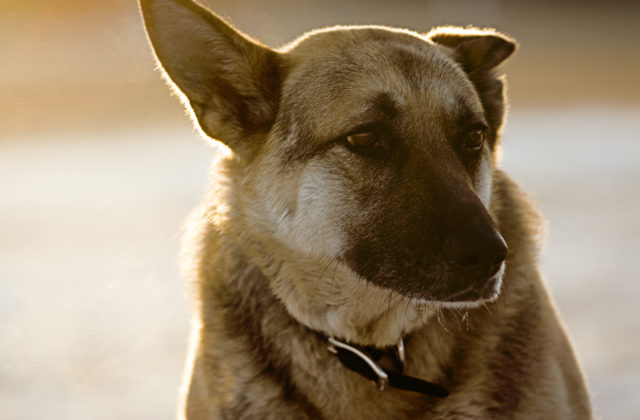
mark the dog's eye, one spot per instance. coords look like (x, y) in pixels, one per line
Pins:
(474, 140)
(367, 143)
(366, 139)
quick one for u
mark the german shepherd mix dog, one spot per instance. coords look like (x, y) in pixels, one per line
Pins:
(359, 254)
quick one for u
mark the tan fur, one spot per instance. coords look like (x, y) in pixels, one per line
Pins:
(279, 251)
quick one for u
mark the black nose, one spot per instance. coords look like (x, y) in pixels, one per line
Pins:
(479, 253)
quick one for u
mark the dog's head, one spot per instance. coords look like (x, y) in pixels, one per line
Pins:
(370, 146)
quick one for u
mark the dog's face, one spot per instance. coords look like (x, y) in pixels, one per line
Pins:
(392, 146)
(366, 146)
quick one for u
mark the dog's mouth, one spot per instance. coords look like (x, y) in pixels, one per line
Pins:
(444, 285)
(479, 292)
(464, 268)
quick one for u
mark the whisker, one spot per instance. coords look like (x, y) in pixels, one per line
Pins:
(331, 260)
(487, 308)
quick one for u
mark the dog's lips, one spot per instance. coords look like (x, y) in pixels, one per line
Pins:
(434, 281)
(475, 293)
(490, 290)
(485, 291)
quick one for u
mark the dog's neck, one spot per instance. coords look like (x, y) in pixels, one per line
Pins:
(242, 286)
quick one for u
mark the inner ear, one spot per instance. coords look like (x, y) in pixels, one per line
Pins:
(230, 81)
(475, 49)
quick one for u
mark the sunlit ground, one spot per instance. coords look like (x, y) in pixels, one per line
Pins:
(93, 317)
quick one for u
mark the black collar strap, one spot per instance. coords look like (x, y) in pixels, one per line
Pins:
(362, 362)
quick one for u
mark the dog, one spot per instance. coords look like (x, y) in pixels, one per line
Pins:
(359, 253)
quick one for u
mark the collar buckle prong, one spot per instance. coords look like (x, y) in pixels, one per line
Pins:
(383, 378)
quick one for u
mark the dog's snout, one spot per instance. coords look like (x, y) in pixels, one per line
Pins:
(477, 253)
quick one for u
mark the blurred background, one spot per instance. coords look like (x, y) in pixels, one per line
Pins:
(99, 167)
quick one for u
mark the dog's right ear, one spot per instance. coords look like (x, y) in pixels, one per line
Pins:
(230, 82)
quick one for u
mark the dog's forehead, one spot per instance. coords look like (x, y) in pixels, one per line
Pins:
(351, 73)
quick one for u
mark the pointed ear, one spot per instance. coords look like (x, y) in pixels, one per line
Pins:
(230, 82)
(475, 49)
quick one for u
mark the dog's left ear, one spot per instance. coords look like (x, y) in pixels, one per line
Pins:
(475, 49)
(479, 52)
(230, 81)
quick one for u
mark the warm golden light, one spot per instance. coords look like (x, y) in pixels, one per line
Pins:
(99, 167)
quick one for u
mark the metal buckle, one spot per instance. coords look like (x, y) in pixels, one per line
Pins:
(383, 378)
(400, 349)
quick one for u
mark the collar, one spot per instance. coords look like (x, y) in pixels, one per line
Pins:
(383, 366)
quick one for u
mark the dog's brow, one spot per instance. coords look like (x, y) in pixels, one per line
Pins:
(383, 103)
(467, 115)
(375, 109)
